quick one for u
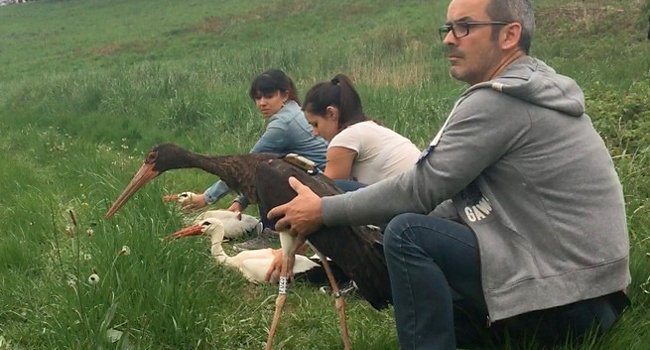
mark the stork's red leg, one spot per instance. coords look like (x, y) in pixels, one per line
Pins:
(339, 302)
(289, 246)
(279, 302)
(279, 305)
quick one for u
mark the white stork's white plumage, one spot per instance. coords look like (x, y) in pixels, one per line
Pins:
(253, 264)
(235, 224)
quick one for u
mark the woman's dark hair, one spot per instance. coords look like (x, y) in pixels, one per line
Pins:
(270, 82)
(340, 93)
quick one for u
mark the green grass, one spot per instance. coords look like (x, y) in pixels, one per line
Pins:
(87, 86)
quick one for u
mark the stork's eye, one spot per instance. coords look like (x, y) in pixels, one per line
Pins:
(151, 157)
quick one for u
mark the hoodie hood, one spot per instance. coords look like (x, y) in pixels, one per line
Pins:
(531, 80)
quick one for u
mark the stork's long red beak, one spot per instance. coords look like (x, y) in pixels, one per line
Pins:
(187, 231)
(145, 174)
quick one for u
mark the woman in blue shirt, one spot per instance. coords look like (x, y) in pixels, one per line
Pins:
(287, 131)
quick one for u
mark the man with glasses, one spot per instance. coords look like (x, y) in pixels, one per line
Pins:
(526, 236)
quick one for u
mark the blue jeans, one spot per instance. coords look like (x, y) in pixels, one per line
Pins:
(349, 185)
(435, 274)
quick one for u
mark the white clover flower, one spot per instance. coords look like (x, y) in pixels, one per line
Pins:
(87, 257)
(90, 231)
(125, 250)
(93, 279)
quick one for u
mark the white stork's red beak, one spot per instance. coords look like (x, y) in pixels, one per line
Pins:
(193, 230)
(145, 174)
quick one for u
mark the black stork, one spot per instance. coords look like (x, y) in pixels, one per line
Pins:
(263, 178)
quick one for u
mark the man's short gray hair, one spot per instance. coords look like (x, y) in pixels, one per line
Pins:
(520, 11)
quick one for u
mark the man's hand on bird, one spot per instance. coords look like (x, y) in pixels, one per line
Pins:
(302, 215)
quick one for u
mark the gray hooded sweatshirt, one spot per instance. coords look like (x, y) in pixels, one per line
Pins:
(519, 162)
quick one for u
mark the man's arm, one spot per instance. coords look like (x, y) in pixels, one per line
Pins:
(477, 135)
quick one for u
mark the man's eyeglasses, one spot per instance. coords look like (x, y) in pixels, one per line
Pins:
(461, 29)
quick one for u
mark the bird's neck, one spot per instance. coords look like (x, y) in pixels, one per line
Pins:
(221, 166)
(237, 171)
(218, 252)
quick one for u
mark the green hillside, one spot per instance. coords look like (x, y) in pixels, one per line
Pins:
(88, 86)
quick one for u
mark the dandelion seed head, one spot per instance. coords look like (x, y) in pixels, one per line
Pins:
(125, 250)
(93, 279)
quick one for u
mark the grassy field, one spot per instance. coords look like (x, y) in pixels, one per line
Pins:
(87, 86)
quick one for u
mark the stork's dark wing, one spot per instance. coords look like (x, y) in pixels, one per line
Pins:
(356, 250)
(239, 171)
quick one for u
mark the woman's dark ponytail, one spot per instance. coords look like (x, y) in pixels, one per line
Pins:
(340, 93)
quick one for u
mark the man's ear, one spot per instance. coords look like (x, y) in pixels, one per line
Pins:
(510, 36)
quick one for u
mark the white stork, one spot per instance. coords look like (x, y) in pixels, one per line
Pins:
(253, 264)
(235, 224)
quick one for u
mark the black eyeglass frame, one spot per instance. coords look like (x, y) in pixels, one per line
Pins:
(449, 27)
